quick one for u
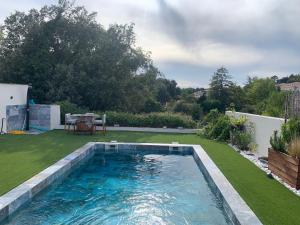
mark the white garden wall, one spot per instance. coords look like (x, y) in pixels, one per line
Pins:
(54, 117)
(11, 94)
(264, 127)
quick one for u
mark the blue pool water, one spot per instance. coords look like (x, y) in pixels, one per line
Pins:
(127, 189)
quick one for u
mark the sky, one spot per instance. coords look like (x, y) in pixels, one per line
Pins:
(190, 39)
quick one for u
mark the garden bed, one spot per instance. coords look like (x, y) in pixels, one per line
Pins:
(285, 167)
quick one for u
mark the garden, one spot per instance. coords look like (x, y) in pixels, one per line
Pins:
(22, 157)
(104, 72)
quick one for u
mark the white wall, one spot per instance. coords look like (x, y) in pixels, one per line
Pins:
(264, 127)
(11, 94)
(55, 117)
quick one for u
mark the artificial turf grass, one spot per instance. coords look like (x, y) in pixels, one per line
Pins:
(22, 156)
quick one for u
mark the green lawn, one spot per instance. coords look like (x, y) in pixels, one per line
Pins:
(22, 156)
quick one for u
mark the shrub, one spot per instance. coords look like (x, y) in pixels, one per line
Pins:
(241, 139)
(68, 107)
(212, 116)
(294, 148)
(208, 105)
(290, 129)
(170, 120)
(152, 106)
(192, 109)
(197, 112)
(238, 123)
(277, 142)
(220, 129)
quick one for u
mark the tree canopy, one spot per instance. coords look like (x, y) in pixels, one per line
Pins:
(219, 86)
(259, 95)
(65, 54)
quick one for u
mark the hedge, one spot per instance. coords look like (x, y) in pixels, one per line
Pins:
(157, 120)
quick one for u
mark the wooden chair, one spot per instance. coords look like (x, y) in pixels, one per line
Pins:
(84, 125)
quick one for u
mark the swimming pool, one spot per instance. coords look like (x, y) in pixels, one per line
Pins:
(128, 184)
(126, 188)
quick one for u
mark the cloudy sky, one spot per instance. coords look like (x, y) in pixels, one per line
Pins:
(190, 39)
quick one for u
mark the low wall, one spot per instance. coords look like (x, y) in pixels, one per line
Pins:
(44, 117)
(264, 126)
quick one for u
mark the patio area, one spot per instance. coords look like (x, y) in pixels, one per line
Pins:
(22, 156)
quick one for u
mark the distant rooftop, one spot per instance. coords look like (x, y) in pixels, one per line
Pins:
(289, 86)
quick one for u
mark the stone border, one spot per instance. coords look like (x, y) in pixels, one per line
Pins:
(145, 129)
(234, 206)
(23, 193)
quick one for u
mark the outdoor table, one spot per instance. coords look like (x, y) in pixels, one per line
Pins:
(86, 115)
(85, 123)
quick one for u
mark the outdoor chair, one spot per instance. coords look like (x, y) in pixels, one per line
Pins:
(101, 123)
(69, 121)
(84, 125)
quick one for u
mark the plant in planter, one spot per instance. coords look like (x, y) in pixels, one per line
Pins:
(277, 142)
(294, 148)
(284, 155)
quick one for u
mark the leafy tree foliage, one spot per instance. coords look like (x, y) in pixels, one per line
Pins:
(290, 79)
(219, 86)
(66, 55)
(275, 104)
(259, 96)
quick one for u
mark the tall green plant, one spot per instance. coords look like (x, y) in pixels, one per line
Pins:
(290, 129)
(219, 129)
(277, 142)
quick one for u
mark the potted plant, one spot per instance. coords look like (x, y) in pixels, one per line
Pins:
(283, 156)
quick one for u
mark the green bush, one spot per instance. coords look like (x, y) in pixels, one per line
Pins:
(192, 109)
(212, 116)
(68, 107)
(152, 105)
(220, 129)
(208, 105)
(238, 123)
(290, 130)
(158, 120)
(241, 139)
(277, 142)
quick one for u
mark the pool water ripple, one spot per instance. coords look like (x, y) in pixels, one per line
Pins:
(127, 189)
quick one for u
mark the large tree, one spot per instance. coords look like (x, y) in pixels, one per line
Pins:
(67, 55)
(219, 87)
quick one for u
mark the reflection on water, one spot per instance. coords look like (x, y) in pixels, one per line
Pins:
(127, 189)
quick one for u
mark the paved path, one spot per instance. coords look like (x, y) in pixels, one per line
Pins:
(147, 129)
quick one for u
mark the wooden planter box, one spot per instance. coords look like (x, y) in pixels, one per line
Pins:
(285, 167)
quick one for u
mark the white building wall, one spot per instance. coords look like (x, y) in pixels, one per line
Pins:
(264, 126)
(55, 117)
(11, 94)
